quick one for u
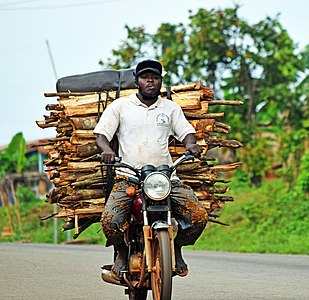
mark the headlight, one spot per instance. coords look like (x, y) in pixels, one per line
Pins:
(157, 186)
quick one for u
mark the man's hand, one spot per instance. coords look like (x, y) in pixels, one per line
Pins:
(191, 145)
(195, 149)
(108, 156)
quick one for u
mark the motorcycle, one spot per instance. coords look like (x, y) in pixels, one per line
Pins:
(151, 259)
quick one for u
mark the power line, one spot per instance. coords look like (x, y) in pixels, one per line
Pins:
(17, 2)
(58, 6)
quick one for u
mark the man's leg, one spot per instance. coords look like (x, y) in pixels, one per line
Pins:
(115, 221)
(192, 218)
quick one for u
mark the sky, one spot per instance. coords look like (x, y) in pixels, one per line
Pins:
(42, 40)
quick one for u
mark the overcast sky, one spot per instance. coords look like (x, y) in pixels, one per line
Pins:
(82, 32)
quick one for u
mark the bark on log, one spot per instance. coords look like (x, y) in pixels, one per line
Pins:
(225, 102)
(189, 114)
(84, 123)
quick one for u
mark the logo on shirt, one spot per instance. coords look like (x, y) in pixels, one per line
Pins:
(162, 120)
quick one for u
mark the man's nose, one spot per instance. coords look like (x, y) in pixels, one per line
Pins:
(150, 77)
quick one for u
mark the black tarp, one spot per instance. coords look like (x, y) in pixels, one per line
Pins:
(97, 81)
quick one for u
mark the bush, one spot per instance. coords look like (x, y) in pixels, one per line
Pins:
(25, 194)
(303, 179)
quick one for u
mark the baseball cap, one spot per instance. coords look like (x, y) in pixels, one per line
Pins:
(148, 65)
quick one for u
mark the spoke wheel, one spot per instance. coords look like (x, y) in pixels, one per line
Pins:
(161, 276)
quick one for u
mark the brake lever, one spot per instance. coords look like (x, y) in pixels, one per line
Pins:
(189, 156)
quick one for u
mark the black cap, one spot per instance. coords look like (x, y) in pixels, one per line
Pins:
(148, 65)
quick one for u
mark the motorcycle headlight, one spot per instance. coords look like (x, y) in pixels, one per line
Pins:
(157, 186)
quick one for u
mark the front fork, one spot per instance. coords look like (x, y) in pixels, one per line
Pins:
(149, 235)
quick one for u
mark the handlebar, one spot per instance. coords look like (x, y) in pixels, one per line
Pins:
(185, 157)
(118, 164)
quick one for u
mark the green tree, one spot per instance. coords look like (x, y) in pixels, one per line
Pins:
(258, 64)
(13, 158)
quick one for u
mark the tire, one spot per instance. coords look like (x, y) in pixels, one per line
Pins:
(138, 295)
(161, 277)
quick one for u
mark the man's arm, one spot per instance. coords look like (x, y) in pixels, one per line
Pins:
(190, 144)
(108, 155)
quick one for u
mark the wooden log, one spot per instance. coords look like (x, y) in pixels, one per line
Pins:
(188, 114)
(198, 112)
(88, 149)
(73, 101)
(181, 88)
(222, 143)
(97, 174)
(44, 124)
(87, 183)
(84, 134)
(218, 189)
(77, 140)
(213, 220)
(206, 125)
(205, 177)
(59, 139)
(52, 107)
(225, 102)
(83, 194)
(85, 165)
(75, 176)
(80, 110)
(188, 103)
(220, 124)
(225, 168)
(187, 167)
(219, 129)
(68, 94)
(84, 123)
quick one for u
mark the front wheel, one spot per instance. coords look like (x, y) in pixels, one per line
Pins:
(138, 295)
(161, 276)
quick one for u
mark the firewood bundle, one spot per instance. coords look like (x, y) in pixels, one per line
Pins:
(72, 165)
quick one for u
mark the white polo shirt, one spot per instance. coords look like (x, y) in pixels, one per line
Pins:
(143, 132)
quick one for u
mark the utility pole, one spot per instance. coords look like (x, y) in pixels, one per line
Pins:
(51, 59)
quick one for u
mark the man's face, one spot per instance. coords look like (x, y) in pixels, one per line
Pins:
(149, 84)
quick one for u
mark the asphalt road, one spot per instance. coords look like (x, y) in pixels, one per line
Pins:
(39, 271)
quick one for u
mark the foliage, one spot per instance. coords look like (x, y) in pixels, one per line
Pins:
(303, 178)
(256, 63)
(13, 159)
(36, 230)
(290, 153)
(25, 194)
(268, 219)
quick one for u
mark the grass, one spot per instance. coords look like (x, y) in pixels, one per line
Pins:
(268, 219)
(35, 230)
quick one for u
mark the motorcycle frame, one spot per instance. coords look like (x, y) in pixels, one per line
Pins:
(148, 236)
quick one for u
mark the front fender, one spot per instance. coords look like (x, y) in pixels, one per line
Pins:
(157, 225)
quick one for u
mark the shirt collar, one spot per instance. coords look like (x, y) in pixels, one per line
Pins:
(134, 99)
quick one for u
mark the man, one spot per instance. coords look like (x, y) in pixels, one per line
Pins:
(143, 123)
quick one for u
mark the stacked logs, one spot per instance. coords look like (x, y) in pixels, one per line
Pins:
(72, 165)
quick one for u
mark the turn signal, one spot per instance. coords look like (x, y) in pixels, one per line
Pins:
(131, 191)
